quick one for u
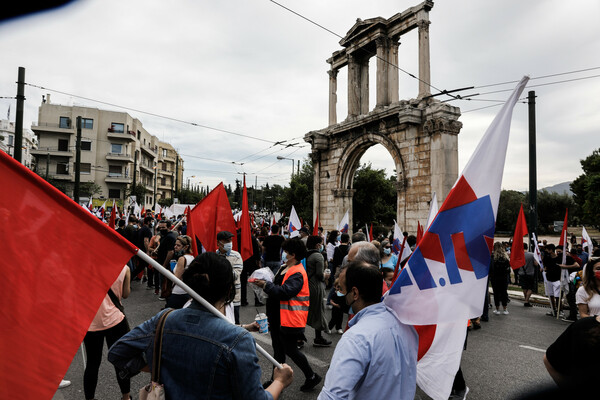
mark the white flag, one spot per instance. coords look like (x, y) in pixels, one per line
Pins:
(344, 227)
(294, 224)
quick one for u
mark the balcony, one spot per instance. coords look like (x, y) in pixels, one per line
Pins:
(119, 157)
(166, 186)
(150, 150)
(112, 134)
(166, 172)
(149, 188)
(52, 127)
(55, 153)
(62, 177)
(147, 168)
(169, 157)
(117, 178)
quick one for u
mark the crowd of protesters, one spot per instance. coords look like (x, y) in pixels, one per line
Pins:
(205, 356)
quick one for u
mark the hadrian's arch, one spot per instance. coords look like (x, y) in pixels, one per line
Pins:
(420, 134)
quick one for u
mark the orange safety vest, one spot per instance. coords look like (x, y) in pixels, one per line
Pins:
(294, 312)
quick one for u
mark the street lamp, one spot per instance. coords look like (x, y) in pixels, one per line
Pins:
(285, 158)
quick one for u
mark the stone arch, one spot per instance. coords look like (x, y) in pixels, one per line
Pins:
(350, 159)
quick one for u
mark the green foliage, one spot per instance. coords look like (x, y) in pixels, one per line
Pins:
(188, 196)
(139, 191)
(166, 202)
(508, 210)
(375, 198)
(299, 194)
(89, 189)
(586, 189)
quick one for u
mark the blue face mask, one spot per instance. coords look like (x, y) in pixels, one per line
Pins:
(387, 252)
(340, 294)
(228, 247)
(284, 257)
(286, 236)
(339, 238)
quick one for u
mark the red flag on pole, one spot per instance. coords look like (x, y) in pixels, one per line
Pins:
(44, 324)
(316, 228)
(274, 221)
(211, 216)
(563, 233)
(190, 231)
(371, 231)
(517, 252)
(143, 213)
(419, 232)
(246, 239)
(113, 216)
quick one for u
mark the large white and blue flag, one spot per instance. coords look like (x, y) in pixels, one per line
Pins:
(344, 225)
(444, 282)
(294, 223)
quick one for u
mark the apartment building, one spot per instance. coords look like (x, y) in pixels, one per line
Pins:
(116, 152)
(7, 142)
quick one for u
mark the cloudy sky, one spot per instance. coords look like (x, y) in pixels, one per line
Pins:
(255, 69)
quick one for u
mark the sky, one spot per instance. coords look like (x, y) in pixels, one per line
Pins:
(256, 69)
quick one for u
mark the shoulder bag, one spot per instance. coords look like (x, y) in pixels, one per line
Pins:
(155, 390)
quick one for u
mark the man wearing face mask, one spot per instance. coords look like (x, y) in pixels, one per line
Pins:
(225, 249)
(376, 341)
(165, 252)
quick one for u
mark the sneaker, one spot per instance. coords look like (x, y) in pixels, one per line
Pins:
(496, 312)
(551, 314)
(505, 312)
(568, 319)
(149, 288)
(162, 299)
(321, 342)
(310, 383)
(527, 305)
(64, 383)
(300, 344)
(341, 332)
(327, 331)
(459, 394)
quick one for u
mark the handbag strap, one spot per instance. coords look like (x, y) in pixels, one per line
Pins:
(160, 326)
(113, 297)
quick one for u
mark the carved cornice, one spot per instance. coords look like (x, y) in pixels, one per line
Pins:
(332, 73)
(442, 125)
(343, 192)
(423, 25)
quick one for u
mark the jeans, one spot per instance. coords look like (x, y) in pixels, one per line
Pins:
(93, 342)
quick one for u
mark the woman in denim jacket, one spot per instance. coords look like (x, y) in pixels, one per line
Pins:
(203, 356)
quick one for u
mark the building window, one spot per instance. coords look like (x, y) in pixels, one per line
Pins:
(165, 152)
(85, 168)
(62, 168)
(116, 148)
(116, 127)
(114, 193)
(139, 135)
(87, 123)
(63, 144)
(85, 145)
(115, 170)
(64, 122)
(163, 181)
(11, 140)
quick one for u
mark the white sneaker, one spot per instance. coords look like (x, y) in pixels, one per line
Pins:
(505, 312)
(496, 312)
(64, 383)
(341, 332)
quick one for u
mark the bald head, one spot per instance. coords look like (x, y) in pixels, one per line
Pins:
(364, 251)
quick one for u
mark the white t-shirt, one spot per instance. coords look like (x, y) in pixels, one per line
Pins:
(188, 259)
(593, 303)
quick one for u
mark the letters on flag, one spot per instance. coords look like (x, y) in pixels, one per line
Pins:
(444, 281)
(43, 324)
(294, 224)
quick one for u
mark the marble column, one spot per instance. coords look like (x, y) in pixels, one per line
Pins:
(332, 96)
(424, 66)
(364, 86)
(383, 68)
(353, 87)
(393, 82)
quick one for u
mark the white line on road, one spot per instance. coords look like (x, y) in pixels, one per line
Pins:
(312, 360)
(532, 348)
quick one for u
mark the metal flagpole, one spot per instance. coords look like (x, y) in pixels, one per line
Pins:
(83, 356)
(169, 275)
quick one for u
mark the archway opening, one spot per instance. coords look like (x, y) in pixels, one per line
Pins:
(375, 195)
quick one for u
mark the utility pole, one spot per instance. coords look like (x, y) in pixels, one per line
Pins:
(532, 168)
(18, 149)
(135, 158)
(47, 164)
(298, 169)
(176, 174)
(77, 161)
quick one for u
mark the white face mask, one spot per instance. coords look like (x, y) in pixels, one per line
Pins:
(387, 252)
(228, 247)
(284, 257)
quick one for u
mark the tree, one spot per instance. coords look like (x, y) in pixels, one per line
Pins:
(375, 197)
(187, 196)
(508, 209)
(139, 191)
(90, 189)
(586, 189)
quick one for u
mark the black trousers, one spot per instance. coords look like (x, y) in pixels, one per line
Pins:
(500, 288)
(94, 342)
(287, 344)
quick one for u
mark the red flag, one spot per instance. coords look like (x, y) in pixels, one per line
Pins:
(419, 232)
(190, 231)
(143, 213)
(211, 216)
(517, 253)
(113, 216)
(274, 222)
(563, 233)
(43, 324)
(301, 223)
(371, 231)
(316, 228)
(246, 240)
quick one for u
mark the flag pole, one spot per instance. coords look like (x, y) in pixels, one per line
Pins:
(169, 275)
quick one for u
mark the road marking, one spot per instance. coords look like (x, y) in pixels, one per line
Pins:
(532, 348)
(312, 360)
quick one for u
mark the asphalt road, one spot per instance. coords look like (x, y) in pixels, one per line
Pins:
(503, 359)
